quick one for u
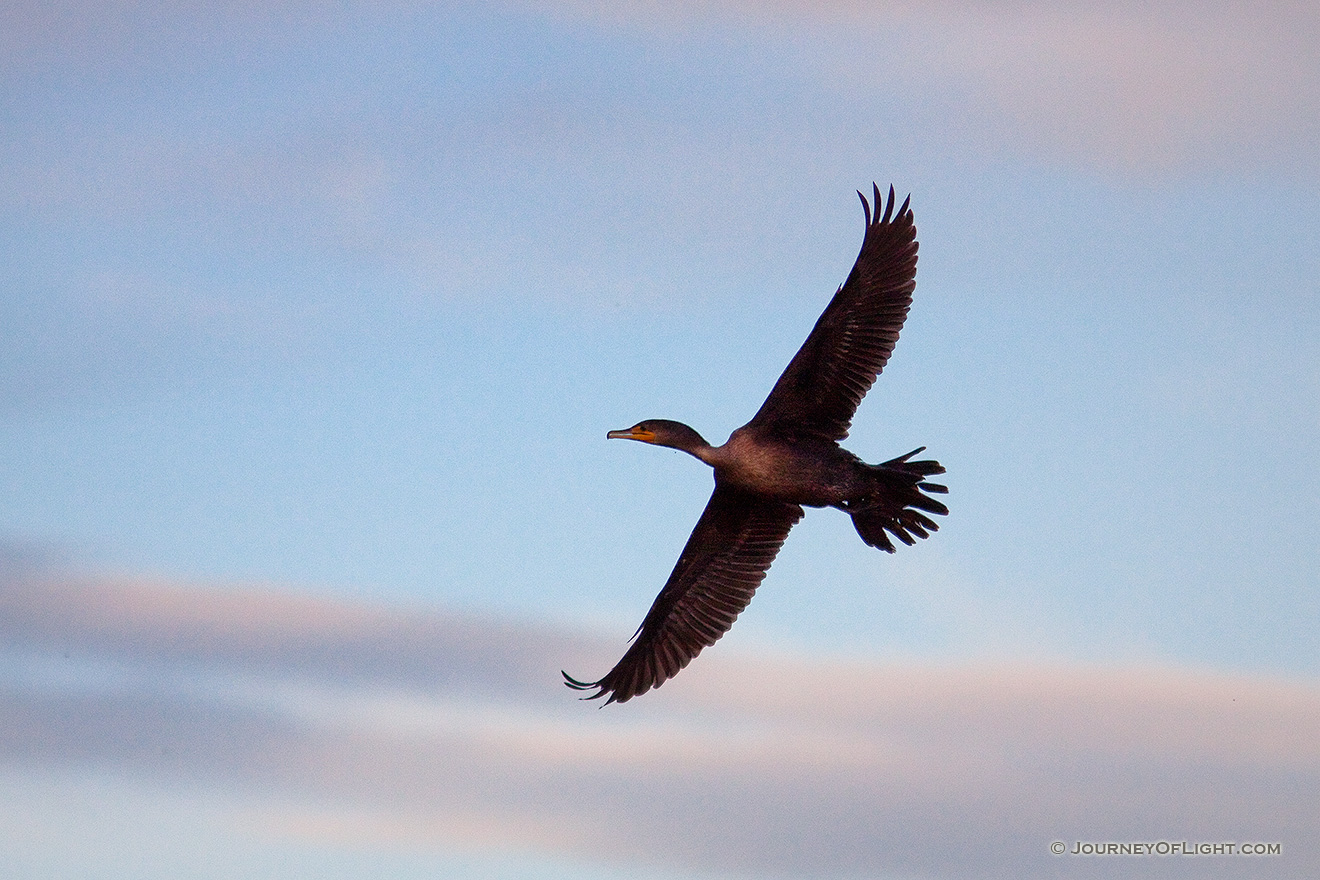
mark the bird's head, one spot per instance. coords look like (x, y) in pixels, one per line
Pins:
(662, 432)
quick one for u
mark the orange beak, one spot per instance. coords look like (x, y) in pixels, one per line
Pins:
(633, 433)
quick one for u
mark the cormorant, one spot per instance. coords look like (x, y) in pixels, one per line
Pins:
(787, 456)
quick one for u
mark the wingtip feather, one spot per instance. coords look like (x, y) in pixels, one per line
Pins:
(576, 685)
(877, 217)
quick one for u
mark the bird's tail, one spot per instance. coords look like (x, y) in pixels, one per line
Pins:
(896, 504)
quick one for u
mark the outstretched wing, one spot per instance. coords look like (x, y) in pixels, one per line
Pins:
(723, 563)
(850, 344)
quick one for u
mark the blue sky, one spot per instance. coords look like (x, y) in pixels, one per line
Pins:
(335, 303)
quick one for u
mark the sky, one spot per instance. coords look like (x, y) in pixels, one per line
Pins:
(313, 317)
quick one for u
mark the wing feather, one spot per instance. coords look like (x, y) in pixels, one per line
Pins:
(820, 389)
(722, 564)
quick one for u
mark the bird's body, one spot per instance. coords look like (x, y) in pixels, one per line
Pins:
(808, 471)
(786, 457)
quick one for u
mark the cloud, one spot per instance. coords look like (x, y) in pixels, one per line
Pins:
(1142, 86)
(199, 179)
(1150, 87)
(373, 723)
(1139, 87)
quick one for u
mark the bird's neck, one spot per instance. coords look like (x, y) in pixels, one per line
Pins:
(707, 453)
(697, 448)
(677, 435)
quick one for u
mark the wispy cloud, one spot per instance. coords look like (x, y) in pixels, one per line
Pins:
(452, 731)
(1146, 87)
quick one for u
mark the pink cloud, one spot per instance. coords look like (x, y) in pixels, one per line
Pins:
(1153, 86)
(1135, 86)
(444, 731)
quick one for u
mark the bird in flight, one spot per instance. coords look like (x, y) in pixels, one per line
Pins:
(788, 456)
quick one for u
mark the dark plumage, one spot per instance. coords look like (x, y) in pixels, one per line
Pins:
(787, 456)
